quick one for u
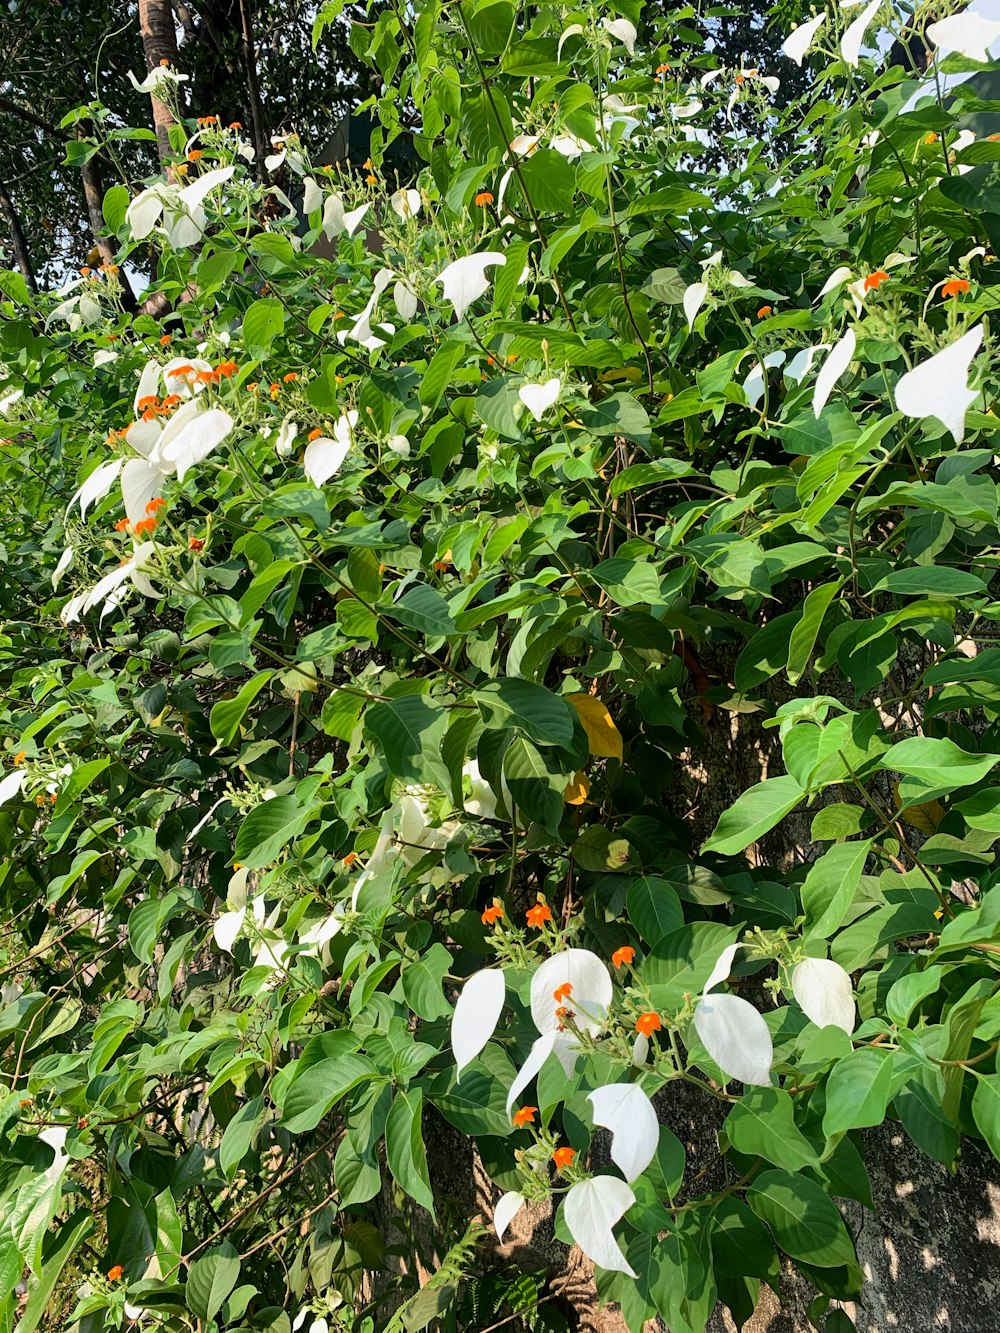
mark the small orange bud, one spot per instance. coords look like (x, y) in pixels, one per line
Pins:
(764, 311)
(314, 434)
(197, 544)
(166, 340)
(115, 1273)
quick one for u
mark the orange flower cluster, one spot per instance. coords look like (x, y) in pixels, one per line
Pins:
(563, 1157)
(875, 280)
(204, 121)
(525, 1116)
(538, 915)
(955, 286)
(483, 198)
(492, 915)
(151, 407)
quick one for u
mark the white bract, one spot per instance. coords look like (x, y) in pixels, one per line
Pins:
(538, 398)
(312, 195)
(464, 280)
(337, 221)
(801, 363)
(623, 30)
(753, 385)
(184, 218)
(481, 803)
(476, 1015)
(96, 487)
(732, 1031)
(405, 203)
(969, 34)
(939, 387)
(825, 994)
(693, 300)
(324, 456)
(831, 370)
(625, 1110)
(798, 42)
(589, 998)
(591, 1209)
(850, 43)
(11, 785)
(508, 1206)
(109, 589)
(158, 80)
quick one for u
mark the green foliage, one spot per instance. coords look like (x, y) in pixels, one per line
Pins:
(493, 578)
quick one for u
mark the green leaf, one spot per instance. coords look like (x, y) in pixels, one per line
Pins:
(227, 714)
(937, 766)
(931, 580)
(986, 1110)
(537, 782)
(240, 1133)
(423, 609)
(320, 1087)
(269, 828)
(549, 179)
(210, 1281)
(598, 849)
(409, 730)
(404, 1147)
(754, 813)
(830, 886)
(762, 1124)
(858, 1090)
(544, 717)
(262, 323)
(116, 201)
(654, 908)
(803, 1219)
(438, 374)
(803, 637)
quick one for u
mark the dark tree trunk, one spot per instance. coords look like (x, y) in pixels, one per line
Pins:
(159, 43)
(253, 88)
(18, 241)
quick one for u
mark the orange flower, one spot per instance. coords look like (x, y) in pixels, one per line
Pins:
(205, 377)
(314, 435)
(875, 280)
(25, 1101)
(512, 357)
(182, 371)
(165, 63)
(195, 155)
(764, 311)
(624, 955)
(955, 286)
(350, 858)
(253, 386)
(442, 566)
(207, 120)
(19, 757)
(166, 340)
(492, 915)
(371, 180)
(930, 138)
(563, 1157)
(115, 1273)
(563, 992)
(235, 125)
(291, 377)
(539, 914)
(53, 798)
(483, 198)
(526, 1116)
(121, 525)
(150, 401)
(155, 504)
(82, 1122)
(196, 544)
(662, 69)
(225, 369)
(562, 1013)
(275, 389)
(145, 525)
(647, 1024)
(171, 400)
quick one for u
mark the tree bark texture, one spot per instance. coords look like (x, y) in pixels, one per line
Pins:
(159, 43)
(18, 240)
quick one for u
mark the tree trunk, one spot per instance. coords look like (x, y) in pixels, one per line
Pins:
(159, 43)
(256, 110)
(18, 241)
(93, 191)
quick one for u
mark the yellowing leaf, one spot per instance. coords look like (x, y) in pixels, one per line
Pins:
(603, 736)
(578, 790)
(924, 818)
(630, 374)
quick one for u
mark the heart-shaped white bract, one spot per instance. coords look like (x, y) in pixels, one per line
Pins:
(323, 456)
(11, 784)
(149, 383)
(753, 385)
(723, 967)
(508, 1207)
(538, 398)
(832, 369)
(850, 43)
(627, 1112)
(465, 280)
(939, 387)
(589, 997)
(312, 195)
(191, 434)
(736, 1037)
(481, 803)
(64, 563)
(560, 1044)
(405, 298)
(140, 483)
(623, 30)
(797, 44)
(336, 221)
(969, 34)
(96, 487)
(825, 994)
(801, 363)
(693, 300)
(405, 203)
(591, 1209)
(476, 1015)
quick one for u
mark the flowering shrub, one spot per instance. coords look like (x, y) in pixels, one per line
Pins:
(380, 627)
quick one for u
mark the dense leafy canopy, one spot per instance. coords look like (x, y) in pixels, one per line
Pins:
(381, 624)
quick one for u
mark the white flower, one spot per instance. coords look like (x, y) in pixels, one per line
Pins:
(476, 1015)
(312, 195)
(693, 300)
(109, 588)
(591, 1209)
(801, 363)
(797, 44)
(104, 356)
(399, 445)
(405, 203)
(287, 432)
(191, 434)
(753, 385)
(96, 487)
(405, 298)
(538, 398)
(159, 78)
(825, 994)
(336, 221)
(623, 30)
(850, 43)
(831, 370)
(508, 1206)
(465, 280)
(324, 456)
(523, 145)
(731, 1029)
(625, 1110)
(284, 151)
(968, 33)
(64, 563)
(11, 784)
(939, 387)
(482, 802)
